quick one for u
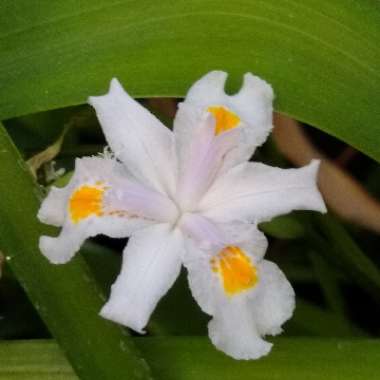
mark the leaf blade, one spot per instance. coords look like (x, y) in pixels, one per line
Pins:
(94, 346)
(179, 358)
(321, 57)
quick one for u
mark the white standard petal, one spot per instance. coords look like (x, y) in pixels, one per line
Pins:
(256, 192)
(137, 138)
(250, 110)
(99, 199)
(151, 264)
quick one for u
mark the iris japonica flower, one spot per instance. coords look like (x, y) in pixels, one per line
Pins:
(187, 196)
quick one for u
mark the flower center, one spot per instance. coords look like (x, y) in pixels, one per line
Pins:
(235, 269)
(224, 119)
(86, 201)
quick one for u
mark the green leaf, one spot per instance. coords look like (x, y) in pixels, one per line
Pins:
(34, 360)
(33, 133)
(104, 263)
(66, 297)
(179, 358)
(284, 227)
(178, 313)
(311, 320)
(335, 243)
(18, 318)
(321, 56)
(329, 283)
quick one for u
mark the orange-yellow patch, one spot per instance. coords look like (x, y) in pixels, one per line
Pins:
(225, 119)
(236, 270)
(86, 201)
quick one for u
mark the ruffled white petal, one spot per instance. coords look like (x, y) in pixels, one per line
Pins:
(61, 249)
(123, 192)
(126, 206)
(256, 192)
(204, 285)
(208, 90)
(274, 304)
(252, 104)
(53, 208)
(151, 264)
(137, 138)
(233, 331)
(239, 321)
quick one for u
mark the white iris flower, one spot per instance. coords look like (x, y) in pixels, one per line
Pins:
(187, 197)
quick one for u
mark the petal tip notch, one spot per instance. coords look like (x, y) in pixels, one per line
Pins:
(115, 88)
(260, 86)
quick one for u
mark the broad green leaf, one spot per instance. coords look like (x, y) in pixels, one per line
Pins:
(66, 297)
(34, 360)
(33, 133)
(321, 56)
(185, 358)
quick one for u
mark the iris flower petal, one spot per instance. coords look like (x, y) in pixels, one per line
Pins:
(243, 309)
(151, 264)
(203, 283)
(53, 208)
(255, 192)
(275, 302)
(99, 199)
(252, 105)
(137, 138)
(206, 155)
(233, 331)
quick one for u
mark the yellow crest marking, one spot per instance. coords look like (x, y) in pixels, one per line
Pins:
(236, 270)
(224, 119)
(86, 201)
